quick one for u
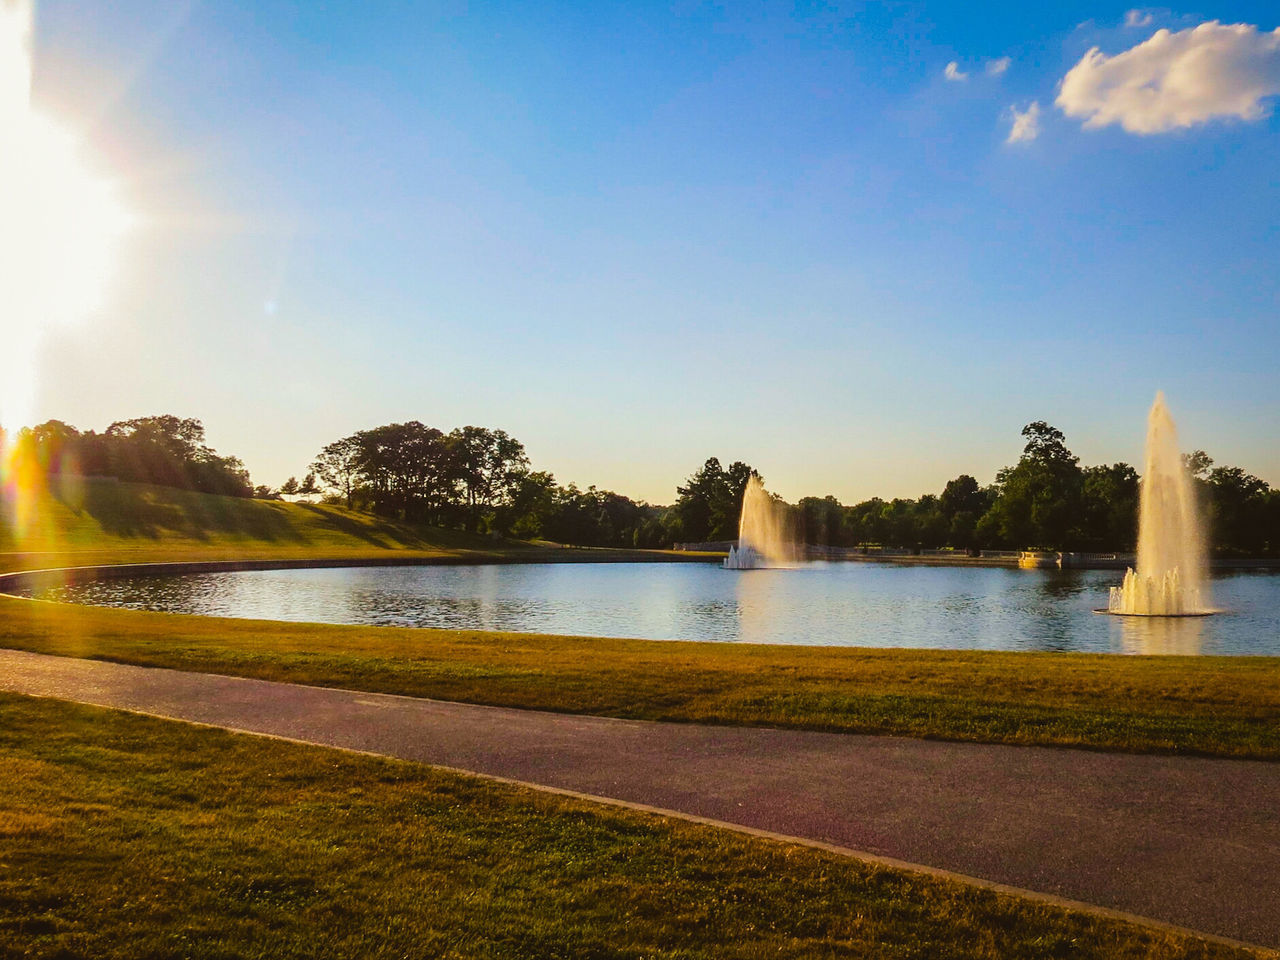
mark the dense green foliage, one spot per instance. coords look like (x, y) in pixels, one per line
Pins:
(480, 479)
(164, 450)
(1044, 500)
(708, 505)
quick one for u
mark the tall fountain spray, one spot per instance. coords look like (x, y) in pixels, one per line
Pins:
(764, 539)
(1171, 579)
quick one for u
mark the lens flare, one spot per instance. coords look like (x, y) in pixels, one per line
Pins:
(60, 223)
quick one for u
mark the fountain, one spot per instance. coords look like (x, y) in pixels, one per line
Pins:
(763, 537)
(1171, 576)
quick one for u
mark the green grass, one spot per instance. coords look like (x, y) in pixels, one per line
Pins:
(1215, 706)
(90, 522)
(124, 836)
(97, 521)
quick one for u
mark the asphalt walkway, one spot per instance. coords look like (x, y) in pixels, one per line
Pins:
(1189, 841)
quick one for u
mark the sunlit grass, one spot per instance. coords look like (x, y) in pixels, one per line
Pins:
(74, 521)
(1216, 706)
(125, 836)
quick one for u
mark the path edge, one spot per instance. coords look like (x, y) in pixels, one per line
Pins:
(873, 859)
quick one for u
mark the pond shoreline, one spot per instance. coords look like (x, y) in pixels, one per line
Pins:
(15, 582)
(28, 580)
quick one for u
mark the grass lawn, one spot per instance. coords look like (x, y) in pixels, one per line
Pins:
(1216, 706)
(124, 836)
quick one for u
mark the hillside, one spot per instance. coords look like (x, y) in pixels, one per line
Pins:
(86, 521)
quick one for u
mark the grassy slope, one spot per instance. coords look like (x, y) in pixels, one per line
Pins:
(125, 836)
(1224, 706)
(102, 522)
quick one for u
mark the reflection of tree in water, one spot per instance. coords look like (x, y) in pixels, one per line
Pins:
(200, 594)
(1050, 620)
(1156, 635)
(1063, 584)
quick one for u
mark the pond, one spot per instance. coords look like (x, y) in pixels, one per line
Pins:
(834, 604)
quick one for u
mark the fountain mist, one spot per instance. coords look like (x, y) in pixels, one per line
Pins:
(764, 539)
(1171, 577)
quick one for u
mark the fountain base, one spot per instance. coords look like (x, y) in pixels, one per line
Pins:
(1156, 616)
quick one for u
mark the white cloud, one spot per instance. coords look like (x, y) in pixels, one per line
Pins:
(1176, 80)
(1137, 18)
(997, 68)
(1026, 123)
(954, 73)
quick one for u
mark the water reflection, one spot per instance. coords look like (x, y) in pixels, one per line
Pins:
(1155, 635)
(759, 606)
(836, 604)
(1052, 610)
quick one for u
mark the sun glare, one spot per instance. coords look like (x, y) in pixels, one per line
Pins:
(60, 222)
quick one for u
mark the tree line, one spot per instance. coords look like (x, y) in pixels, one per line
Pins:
(480, 479)
(166, 450)
(1046, 500)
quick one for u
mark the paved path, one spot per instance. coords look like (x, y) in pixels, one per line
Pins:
(1189, 841)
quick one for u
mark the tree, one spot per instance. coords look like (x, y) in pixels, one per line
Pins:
(338, 466)
(1109, 515)
(962, 504)
(931, 525)
(1038, 499)
(407, 470)
(55, 446)
(487, 463)
(1197, 463)
(726, 509)
(290, 486)
(530, 507)
(691, 514)
(822, 520)
(1238, 510)
(308, 487)
(962, 493)
(165, 450)
(709, 504)
(1271, 522)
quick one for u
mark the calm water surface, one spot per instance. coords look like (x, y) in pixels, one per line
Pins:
(837, 604)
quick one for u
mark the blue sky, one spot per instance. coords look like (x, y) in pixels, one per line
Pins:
(637, 235)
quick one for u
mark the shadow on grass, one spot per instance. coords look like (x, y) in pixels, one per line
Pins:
(353, 527)
(131, 511)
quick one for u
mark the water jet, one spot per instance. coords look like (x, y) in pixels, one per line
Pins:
(763, 536)
(1171, 579)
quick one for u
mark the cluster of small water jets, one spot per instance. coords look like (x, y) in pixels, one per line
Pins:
(1171, 579)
